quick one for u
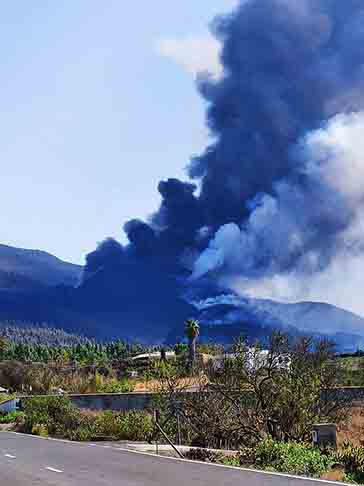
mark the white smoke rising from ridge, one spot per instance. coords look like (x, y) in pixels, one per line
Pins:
(283, 227)
(219, 252)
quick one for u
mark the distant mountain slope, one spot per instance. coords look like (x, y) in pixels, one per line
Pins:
(26, 269)
(149, 302)
(312, 316)
(120, 301)
(227, 316)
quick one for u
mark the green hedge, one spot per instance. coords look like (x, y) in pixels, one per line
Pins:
(58, 416)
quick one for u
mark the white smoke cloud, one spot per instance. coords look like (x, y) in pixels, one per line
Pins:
(196, 54)
(336, 155)
(340, 284)
(285, 228)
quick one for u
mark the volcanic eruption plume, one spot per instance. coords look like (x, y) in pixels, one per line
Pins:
(280, 210)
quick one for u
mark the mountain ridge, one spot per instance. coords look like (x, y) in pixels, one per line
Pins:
(29, 268)
(148, 301)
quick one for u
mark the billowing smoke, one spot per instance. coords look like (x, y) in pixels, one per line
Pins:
(326, 220)
(141, 236)
(306, 227)
(107, 252)
(220, 252)
(179, 217)
(280, 206)
(286, 165)
(170, 231)
(289, 65)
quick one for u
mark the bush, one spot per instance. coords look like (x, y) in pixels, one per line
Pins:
(108, 424)
(11, 417)
(115, 386)
(56, 413)
(86, 429)
(352, 458)
(134, 425)
(40, 430)
(291, 458)
(58, 416)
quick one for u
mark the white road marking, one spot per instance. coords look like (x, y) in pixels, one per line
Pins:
(54, 470)
(10, 456)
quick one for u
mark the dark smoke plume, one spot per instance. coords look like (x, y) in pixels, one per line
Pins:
(141, 236)
(289, 65)
(107, 252)
(180, 215)
(293, 83)
(280, 197)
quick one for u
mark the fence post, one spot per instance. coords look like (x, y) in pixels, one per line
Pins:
(157, 417)
(179, 439)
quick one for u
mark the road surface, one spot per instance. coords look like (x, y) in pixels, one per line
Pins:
(32, 461)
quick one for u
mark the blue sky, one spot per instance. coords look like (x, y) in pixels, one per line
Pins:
(98, 104)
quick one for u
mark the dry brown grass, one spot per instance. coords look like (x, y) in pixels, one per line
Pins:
(336, 474)
(353, 430)
(154, 385)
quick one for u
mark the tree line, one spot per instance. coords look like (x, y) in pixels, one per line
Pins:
(87, 353)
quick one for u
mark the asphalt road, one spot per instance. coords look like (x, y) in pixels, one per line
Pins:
(32, 461)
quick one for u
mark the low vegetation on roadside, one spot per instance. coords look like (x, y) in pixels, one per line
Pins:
(262, 403)
(11, 417)
(254, 394)
(57, 416)
(292, 458)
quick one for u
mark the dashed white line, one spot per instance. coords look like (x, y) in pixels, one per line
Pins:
(10, 456)
(52, 469)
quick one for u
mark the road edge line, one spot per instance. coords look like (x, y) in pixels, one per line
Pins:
(208, 464)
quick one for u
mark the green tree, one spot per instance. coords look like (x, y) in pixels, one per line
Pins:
(3, 346)
(290, 385)
(192, 331)
(252, 394)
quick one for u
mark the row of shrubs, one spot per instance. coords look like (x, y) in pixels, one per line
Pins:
(57, 416)
(291, 458)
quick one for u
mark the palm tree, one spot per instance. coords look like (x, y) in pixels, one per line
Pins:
(192, 330)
